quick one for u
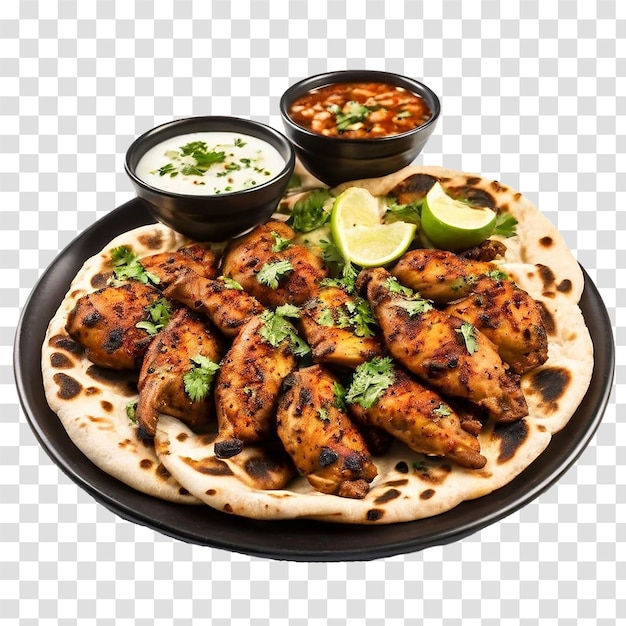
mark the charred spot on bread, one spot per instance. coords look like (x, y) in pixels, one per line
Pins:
(69, 387)
(511, 436)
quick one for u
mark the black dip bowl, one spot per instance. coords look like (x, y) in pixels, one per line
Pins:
(212, 217)
(336, 160)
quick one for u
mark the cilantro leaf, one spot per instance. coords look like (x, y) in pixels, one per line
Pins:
(415, 307)
(468, 332)
(131, 411)
(280, 243)
(506, 225)
(443, 410)
(271, 273)
(231, 283)
(160, 313)
(352, 113)
(411, 212)
(277, 329)
(308, 212)
(126, 266)
(369, 381)
(198, 379)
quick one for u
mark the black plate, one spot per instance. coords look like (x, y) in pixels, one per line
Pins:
(297, 540)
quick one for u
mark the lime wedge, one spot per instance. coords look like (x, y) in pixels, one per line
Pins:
(357, 230)
(454, 225)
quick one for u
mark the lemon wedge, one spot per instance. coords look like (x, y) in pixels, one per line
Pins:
(454, 225)
(360, 234)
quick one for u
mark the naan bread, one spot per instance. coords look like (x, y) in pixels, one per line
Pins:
(91, 402)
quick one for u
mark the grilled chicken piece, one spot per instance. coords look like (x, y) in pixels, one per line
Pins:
(247, 388)
(336, 330)
(431, 344)
(421, 419)
(161, 378)
(252, 259)
(510, 317)
(104, 323)
(488, 250)
(168, 265)
(227, 308)
(324, 444)
(439, 275)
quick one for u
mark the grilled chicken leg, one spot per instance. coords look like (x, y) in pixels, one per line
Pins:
(510, 317)
(227, 308)
(274, 271)
(439, 275)
(161, 379)
(432, 345)
(421, 419)
(336, 331)
(506, 314)
(167, 265)
(320, 438)
(247, 388)
(104, 323)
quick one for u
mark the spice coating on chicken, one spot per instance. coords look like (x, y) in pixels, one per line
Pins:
(168, 265)
(431, 344)
(162, 376)
(324, 444)
(510, 317)
(104, 323)
(247, 388)
(274, 271)
(439, 275)
(423, 420)
(228, 308)
(336, 330)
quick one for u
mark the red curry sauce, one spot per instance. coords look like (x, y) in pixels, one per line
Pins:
(360, 110)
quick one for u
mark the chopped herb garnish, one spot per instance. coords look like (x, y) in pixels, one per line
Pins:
(340, 396)
(347, 281)
(369, 381)
(443, 410)
(239, 143)
(131, 411)
(497, 274)
(308, 212)
(468, 332)
(280, 243)
(352, 113)
(506, 225)
(126, 266)
(288, 310)
(322, 413)
(199, 378)
(415, 307)
(160, 313)
(276, 329)
(414, 304)
(230, 283)
(271, 273)
(402, 114)
(411, 212)
(395, 287)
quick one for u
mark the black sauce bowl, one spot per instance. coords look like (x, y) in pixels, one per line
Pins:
(212, 217)
(335, 160)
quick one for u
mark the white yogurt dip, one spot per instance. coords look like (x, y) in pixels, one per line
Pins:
(209, 163)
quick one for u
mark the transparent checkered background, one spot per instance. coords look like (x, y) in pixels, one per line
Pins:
(533, 94)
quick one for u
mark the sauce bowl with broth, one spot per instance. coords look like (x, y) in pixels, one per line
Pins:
(213, 177)
(354, 124)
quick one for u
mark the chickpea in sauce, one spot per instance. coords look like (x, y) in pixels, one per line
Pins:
(360, 110)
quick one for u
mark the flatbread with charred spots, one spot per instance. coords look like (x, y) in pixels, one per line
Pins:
(193, 463)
